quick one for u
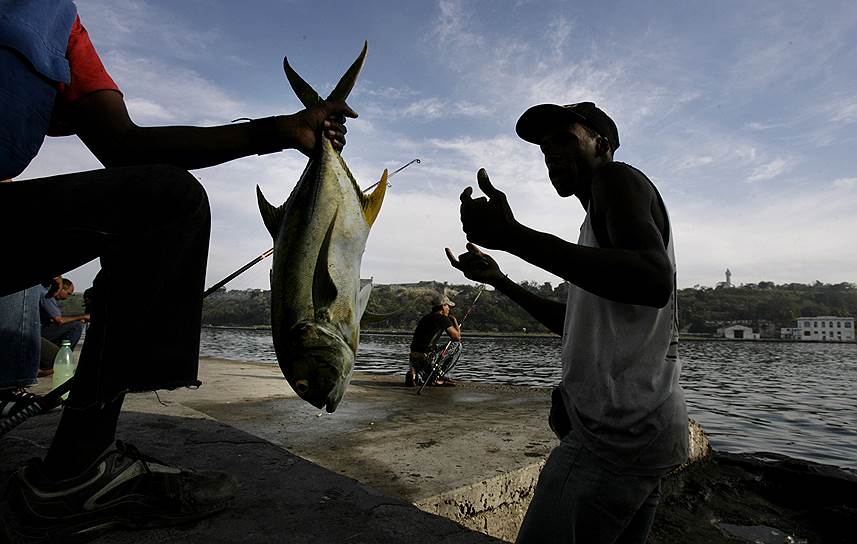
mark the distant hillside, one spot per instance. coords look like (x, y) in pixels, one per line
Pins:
(764, 306)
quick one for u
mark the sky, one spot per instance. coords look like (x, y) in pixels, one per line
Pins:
(743, 114)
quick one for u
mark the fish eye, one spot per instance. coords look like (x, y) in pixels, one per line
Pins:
(302, 386)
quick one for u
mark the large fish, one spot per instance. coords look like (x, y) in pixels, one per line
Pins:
(319, 237)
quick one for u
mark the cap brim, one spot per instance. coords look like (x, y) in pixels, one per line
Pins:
(538, 120)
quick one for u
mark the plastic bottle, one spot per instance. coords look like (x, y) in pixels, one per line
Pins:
(64, 366)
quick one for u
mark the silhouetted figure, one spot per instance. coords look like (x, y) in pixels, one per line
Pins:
(619, 411)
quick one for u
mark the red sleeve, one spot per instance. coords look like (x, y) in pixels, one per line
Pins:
(87, 76)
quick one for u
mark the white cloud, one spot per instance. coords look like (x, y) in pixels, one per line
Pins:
(436, 108)
(559, 32)
(694, 162)
(453, 24)
(158, 93)
(768, 170)
(843, 111)
(128, 24)
(845, 183)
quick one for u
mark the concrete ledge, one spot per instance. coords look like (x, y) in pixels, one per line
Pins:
(495, 506)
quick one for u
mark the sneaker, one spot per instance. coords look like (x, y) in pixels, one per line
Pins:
(45, 372)
(13, 401)
(123, 488)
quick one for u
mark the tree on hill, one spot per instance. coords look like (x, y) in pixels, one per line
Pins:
(701, 309)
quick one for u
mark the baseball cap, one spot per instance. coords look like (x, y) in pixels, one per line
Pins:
(441, 301)
(539, 119)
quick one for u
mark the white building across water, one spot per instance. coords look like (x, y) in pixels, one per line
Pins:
(822, 328)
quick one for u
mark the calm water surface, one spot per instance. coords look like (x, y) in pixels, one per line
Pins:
(799, 399)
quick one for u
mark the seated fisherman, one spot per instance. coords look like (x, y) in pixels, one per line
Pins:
(426, 335)
(55, 326)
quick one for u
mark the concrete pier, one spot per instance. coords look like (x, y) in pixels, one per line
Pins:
(387, 466)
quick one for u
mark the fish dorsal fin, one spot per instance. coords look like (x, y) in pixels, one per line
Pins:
(372, 202)
(309, 97)
(323, 289)
(346, 83)
(363, 299)
(272, 216)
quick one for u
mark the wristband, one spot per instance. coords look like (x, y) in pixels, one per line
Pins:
(264, 137)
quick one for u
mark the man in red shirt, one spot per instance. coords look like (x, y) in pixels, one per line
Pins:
(143, 215)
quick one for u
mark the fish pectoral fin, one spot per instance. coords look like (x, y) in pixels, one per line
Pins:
(324, 291)
(272, 216)
(306, 94)
(363, 299)
(372, 202)
(346, 83)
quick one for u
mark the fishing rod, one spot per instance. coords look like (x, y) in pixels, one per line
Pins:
(367, 189)
(235, 274)
(267, 253)
(440, 357)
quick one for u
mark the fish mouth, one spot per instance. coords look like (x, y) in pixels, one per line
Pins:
(321, 364)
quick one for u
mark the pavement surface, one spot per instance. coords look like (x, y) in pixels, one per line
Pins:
(470, 452)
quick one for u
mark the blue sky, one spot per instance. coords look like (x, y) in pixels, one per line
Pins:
(742, 113)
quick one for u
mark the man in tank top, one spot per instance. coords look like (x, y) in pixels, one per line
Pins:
(619, 411)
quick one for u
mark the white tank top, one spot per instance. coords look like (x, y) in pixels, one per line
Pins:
(620, 376)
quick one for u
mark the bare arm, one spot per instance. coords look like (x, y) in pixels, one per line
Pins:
(479, 266)
(633, 268)
(62, 320)
(102, 122)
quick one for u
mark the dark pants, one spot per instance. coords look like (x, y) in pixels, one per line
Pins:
(68, 331)
(149, 225)
(580, 499)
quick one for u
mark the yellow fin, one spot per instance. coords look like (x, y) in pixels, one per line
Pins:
(372, 202)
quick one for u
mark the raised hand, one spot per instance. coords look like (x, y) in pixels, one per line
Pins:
(487, 221)
(302, 128)
(476, 265)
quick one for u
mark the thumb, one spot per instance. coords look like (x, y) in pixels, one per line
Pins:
(485, 185)
(452, 259)
(337, 108)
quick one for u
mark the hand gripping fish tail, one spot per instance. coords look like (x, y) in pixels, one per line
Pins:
(320, 234)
